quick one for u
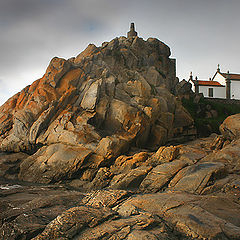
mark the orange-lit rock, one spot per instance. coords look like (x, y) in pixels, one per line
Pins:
(107, 99)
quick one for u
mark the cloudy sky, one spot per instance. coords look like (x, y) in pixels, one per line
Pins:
(200, 33)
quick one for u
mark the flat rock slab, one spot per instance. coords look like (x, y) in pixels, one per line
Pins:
(26, 210)
(130, 180)
(138, 227)
(199, 217)
(70, 222)
(159, 176)
(194, 179)
(105, 198)
(55, 212)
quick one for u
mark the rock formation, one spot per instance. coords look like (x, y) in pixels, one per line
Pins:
(230, 128)
(96, 106)
(95, 126)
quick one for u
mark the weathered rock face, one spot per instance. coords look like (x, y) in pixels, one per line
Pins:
(103, 101)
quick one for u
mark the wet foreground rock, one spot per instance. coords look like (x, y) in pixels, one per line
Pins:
(26, 210)
(193, 194)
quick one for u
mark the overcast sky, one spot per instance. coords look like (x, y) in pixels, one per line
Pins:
(200, 33)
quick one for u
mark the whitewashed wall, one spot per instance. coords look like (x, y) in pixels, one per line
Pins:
(235, 89)
(219, 78)
(218, 92)
(204, 90)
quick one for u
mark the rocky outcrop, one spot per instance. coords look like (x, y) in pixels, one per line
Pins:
(95, 125)
(103, 102)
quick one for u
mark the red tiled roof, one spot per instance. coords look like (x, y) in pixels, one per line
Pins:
(209, 83)
(231, 76)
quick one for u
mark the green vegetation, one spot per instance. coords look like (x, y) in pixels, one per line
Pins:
(209, 115)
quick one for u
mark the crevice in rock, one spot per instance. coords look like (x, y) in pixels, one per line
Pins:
(222, 173)
(166, 185)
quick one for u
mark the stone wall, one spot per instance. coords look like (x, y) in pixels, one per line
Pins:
(224, 101)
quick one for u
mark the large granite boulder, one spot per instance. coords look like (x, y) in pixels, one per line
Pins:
(104, 101)
(230, 128)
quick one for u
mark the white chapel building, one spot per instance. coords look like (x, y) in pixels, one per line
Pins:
(222, 85)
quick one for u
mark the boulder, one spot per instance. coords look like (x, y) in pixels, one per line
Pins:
(182, 118)
(130, 180)
(163, 155)
(125, 163)
(91, 96)
(89, 51)
(53, 163)
(230, 128)
(101, 180)
(228, 156)
(183, 88)
(195, 178)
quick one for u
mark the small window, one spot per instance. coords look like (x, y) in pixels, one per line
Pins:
(210, 92)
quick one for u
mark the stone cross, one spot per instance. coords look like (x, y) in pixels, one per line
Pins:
(132, 32)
